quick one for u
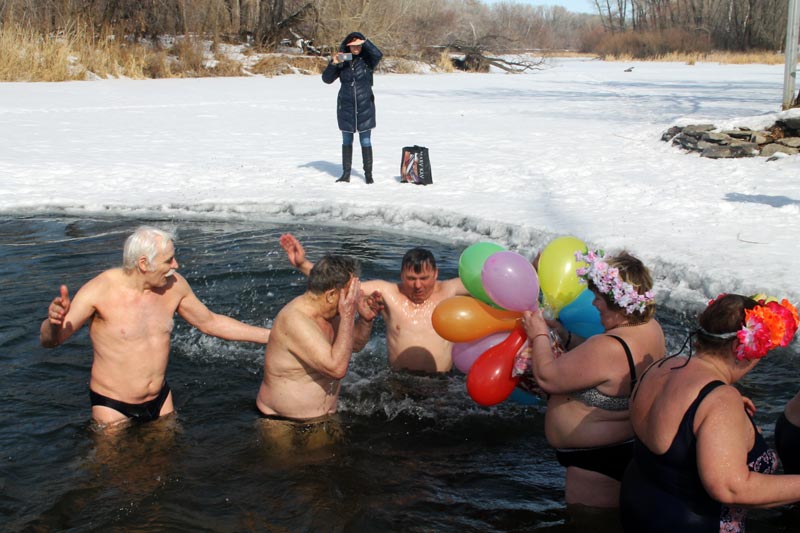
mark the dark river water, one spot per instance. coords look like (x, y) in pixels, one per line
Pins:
(418, 454)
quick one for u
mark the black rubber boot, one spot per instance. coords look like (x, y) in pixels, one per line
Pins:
(366, 155)
(347, 163)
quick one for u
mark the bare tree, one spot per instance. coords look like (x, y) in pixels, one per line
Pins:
(408, 27)
(729, 24)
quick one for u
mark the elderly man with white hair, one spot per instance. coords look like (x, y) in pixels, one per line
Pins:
(131, 311)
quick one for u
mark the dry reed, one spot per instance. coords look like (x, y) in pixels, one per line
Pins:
(278, 64)
(722, 57)
(77, 53)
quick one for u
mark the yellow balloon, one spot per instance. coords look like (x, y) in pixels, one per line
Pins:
(557, 278)
(763, 296)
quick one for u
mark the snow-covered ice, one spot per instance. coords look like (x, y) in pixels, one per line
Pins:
(573, 149)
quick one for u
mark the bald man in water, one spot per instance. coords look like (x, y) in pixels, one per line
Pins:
(412, 343)
(130, 311)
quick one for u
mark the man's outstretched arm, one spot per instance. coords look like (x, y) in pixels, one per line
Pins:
(193, 311)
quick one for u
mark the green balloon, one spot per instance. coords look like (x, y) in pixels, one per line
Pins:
(470, 266)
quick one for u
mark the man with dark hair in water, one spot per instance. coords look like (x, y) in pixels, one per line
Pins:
(412, 343)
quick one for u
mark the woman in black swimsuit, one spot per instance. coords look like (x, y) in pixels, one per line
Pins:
(699, 459)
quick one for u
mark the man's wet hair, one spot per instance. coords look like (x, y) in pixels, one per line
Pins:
(416, 259)
(332, 272)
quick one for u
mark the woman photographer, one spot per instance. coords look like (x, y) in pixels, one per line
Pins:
(355, 106)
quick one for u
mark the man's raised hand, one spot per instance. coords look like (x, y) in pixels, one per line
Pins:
(349, 298)
(59, 307)
(294, 250)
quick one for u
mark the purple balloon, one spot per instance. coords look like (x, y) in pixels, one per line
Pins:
(465, 353)
(511, 282)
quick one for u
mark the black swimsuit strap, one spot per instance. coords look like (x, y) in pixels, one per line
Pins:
(688, 416)
(711, 385)
(629, 355)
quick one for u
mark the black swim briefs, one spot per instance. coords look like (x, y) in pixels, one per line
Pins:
(141, 412)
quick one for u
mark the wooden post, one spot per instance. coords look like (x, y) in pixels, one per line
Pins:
(790, 70)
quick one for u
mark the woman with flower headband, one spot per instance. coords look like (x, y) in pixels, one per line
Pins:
(589, 384)
(699, 459)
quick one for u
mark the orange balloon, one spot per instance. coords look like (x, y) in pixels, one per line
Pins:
(465, 319)
(489, 381)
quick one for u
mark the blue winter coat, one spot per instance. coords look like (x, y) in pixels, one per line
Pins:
(355, 105)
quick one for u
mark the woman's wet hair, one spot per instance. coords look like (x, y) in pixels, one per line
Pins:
(718, 324)
(332, 272)
(723, 317)
(631, 270)
(416, 258)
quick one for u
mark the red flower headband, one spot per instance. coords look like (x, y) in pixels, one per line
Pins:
(766, 326)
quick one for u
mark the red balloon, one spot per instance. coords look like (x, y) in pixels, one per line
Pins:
(489, 381)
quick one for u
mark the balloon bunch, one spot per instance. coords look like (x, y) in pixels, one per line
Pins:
(486, 327)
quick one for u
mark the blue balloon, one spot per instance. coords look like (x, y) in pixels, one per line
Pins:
(524, 397)
(581, 317)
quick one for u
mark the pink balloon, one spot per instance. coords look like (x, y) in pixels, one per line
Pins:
(465, 353)
(511, 282)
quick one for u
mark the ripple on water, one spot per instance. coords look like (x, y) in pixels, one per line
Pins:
(418, 455)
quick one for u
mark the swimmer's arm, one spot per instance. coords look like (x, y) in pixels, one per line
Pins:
(65, 316)
(361, 334)
(569, 340)
(193, 311)
(576, 370)
(591, 364)
(296, 253)
(722, 445)
(369, 307)
(455, 287)
(315, 350)
(383, 287)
